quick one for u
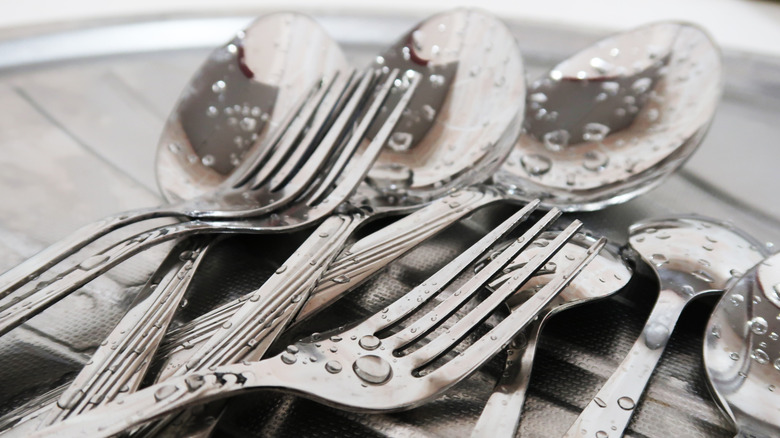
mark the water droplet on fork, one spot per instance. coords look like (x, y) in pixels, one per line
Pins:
(370, 342)
(372, 369)
(93, 262)
(626, 403)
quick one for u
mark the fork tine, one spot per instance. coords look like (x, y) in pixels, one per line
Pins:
(502, 334)
(460, 329)
(451, 304)
(345, 114)
(248, 168)
(289, 149)
(354, 170)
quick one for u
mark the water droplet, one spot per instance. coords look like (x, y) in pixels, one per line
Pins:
(93, 262)
(538, 97)
(703, 276)
(610, 87)
(281, 269)
(288, 358)
(436, 80)
(734, 356)
(626, 403)
(602, 434)
(659, 259)
(715, 332)
(333, 367)
(595, 161)
(372, 369)
(248, 124)
(218, 87)
(599, 402)
(341, 279)
(208, 160)
(736, 299)
(760, 356)
(773, 336)
(758, 325)
(656, 335)
(164, 392)
(641, 85)
(400, 141)
(601, 65)
(428, 112)
(194, 381)
(777, 364)
(536, 164)
(370, 342)
(594, 132)
(556, 140)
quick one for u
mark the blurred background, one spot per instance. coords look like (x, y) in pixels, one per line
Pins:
(736, 24)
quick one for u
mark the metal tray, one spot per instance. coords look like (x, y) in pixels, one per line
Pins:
(83, 105)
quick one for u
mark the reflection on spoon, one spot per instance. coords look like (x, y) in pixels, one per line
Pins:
(741, 351)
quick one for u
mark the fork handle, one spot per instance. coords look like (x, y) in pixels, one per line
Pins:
(608, 414)
(501, 415)
(17, 308)
(31, 268)
(158, 401)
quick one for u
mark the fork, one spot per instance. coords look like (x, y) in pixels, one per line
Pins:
(345, 169)
(388, 372)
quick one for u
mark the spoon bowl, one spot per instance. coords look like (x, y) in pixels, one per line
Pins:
(613, 121)
(740, 351)
(690, 256)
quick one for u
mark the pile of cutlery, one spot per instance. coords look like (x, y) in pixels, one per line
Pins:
(278, 134)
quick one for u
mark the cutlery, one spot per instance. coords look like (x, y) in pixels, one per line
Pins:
(355, 368)
(220, 127)
(690, 257)
(606, 274)
(741, 351)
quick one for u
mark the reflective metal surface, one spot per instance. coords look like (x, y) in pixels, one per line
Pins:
(740, 351)
(614, 120)
(691, 256)
(54, 152)
(388, 372)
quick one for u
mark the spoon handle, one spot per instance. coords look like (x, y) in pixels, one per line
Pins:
(31, 268)
(608, 414)
(501, 415)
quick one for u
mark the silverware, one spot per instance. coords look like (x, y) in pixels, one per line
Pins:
(245, 89)
(741, 351)
(690, 256)
(606, 274)
(313, 206)
(355, 368)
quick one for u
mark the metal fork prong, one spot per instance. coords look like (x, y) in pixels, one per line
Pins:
(451, 304)
(482, 311)
(357, 137)
(344, 112)
(438, 281)
(483, 349)
(249, 321)
(311, 153)
(248, 168)
(290, 139)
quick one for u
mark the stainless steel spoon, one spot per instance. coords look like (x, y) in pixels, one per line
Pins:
(232, 106)
(741, 351)
(667, 141)
(690, 256)
(604, 276)
(643, 113)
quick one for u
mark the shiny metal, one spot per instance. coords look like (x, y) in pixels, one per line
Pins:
(355, 368)
(469, 30)
(307, 209)
(741, 351)
(691, 256)
(605, 275)
(614, 120)
(692, 65)
(255, 74)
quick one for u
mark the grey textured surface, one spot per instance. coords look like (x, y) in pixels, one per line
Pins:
(77, 142)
